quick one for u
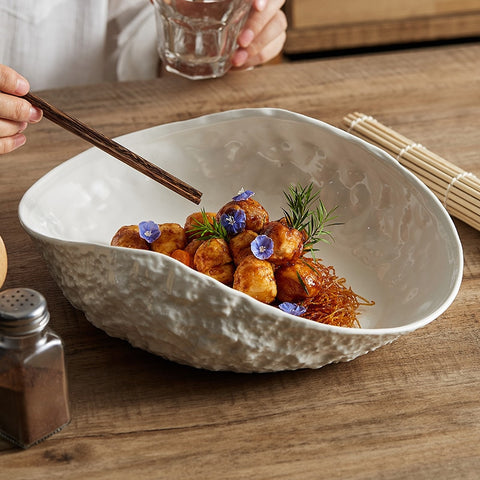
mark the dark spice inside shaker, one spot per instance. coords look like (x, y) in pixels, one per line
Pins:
(33, 386)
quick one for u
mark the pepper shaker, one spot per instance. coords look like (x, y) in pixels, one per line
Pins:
(33, 385)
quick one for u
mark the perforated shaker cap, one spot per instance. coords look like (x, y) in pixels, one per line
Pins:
(22, 311)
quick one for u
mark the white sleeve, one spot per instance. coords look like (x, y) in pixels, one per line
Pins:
(132, 28)
(54, 43)
(57, 43)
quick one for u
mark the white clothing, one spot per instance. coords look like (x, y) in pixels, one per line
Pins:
(56, 43)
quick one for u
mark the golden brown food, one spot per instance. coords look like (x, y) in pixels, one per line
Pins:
(192, 246)
(128, 236)
(213, 258)
(255, 215)
(183, 256)
(223, 273)
(304, 233)
(287, 243)
(240, 245)
(193, 220)
(335, 303)
(256, 278)
(172, 237)
(297, 281)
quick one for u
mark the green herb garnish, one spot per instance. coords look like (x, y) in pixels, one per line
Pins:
(302, 283)
(208, 229)
(307, 213)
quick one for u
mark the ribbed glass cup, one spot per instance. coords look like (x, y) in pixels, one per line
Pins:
(197, 38)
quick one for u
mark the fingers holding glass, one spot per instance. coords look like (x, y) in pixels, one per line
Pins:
(263, 36)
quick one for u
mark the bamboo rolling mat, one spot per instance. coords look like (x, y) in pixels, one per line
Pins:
(458, 190)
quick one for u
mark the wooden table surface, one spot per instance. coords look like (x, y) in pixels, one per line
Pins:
(408, 410)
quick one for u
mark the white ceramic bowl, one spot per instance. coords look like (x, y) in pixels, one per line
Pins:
(397, 245)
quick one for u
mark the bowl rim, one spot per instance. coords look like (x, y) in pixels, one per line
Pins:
(227, 115)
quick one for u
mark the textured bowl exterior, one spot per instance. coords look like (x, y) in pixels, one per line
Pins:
(178, 321)
(397, 246)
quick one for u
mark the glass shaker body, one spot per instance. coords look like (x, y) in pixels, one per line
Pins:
(33, 386)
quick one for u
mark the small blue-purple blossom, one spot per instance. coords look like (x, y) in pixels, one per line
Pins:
(292, 308)
(149, 231)
(243, 195)
(262, 247)
(233, 221)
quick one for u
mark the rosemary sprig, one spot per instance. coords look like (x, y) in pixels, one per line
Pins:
(302, 283)
(306, 212)
(208, 229)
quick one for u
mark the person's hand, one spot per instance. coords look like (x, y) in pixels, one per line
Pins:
(263, 35)
(15, 113)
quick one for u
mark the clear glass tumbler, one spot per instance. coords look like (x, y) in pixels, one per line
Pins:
(197, 38)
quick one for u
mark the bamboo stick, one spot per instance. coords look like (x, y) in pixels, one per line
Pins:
(458, 190)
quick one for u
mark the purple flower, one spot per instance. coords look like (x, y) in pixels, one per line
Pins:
(149, 231)
(262, 247)
(233, 221)
(292, 308)
(243, 195)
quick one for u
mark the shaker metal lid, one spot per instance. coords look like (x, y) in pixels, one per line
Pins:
(22, 311)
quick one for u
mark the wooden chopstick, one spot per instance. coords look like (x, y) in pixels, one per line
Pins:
(458, 190)
(115, 149)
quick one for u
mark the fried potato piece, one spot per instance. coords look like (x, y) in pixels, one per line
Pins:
(255, 215)
(256, 278)
(195, 219)
(172, 237)
(213, 259)
(223, 273)
(240, 245)
(297, 281)
(287, 243)
(304, 233)
(128, 236)
(192, 246)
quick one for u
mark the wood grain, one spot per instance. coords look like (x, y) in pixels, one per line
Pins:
(315, 26)
(408, 410)
(311, 13)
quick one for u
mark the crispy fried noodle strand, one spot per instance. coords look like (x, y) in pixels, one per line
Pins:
(336, 304)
